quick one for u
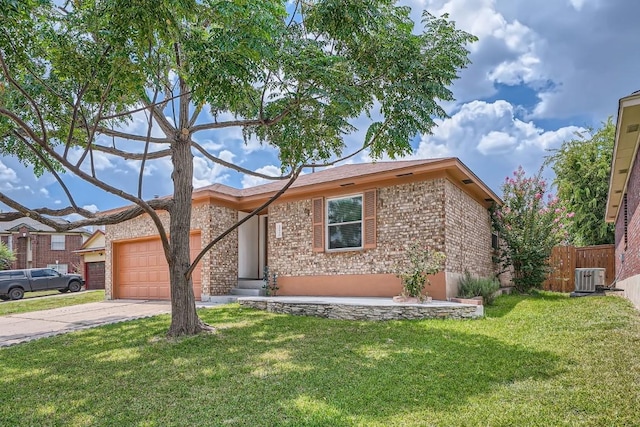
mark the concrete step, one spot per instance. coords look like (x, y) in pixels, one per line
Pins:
(248, 292)
(250, 284)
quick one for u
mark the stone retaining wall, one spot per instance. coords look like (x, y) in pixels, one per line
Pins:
(368, 312)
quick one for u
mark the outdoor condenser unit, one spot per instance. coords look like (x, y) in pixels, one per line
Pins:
(588, 278)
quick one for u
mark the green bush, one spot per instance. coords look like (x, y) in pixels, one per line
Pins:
(484, 287)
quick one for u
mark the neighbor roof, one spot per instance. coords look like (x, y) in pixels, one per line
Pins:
(35, 226)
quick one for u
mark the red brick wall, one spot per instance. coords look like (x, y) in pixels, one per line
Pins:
(631, 253)
(42, 255)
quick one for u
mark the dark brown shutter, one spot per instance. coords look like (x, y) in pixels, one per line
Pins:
(369, 220)
(317, 216)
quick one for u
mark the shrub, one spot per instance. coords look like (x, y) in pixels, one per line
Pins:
(484, 287)
(6, 257)
(416, 267)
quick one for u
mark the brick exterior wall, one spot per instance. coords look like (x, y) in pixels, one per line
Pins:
(404, 212)
(629, 271)
(41, 252)
(219, 266)
(435, 212)
(632, 251)
(468, 234)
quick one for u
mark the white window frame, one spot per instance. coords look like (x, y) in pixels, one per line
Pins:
(60, 268)
(55, 245)
(327, 224)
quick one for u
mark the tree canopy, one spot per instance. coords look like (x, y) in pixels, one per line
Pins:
(294, 75)
(582, 166)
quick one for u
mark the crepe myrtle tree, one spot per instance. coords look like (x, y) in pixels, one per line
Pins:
(293, 75)
(529, 225)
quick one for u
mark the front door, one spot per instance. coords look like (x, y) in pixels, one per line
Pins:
(252, 250)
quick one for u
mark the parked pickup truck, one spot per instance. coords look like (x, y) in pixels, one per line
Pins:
(14, 283)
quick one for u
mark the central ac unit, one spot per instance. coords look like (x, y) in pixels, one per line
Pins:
(588, 278)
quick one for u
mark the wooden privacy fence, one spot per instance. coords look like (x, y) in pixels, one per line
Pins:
(565, 259)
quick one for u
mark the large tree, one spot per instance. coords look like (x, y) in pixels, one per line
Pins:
(582, 166)
(294, 75)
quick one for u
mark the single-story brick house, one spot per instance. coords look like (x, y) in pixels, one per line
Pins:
(624, 196)
(39, 246)
(336, 232)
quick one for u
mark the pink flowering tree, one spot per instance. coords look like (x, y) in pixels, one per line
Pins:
(529, 224)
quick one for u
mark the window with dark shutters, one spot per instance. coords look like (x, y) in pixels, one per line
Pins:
(344, 223)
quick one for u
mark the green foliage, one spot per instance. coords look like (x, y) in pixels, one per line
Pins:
(6, 257)
(485, 287)
(295, 81)
(582, 166)
(529, 227)
(414, 269)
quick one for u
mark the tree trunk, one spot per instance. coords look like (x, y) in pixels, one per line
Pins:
(184, 319)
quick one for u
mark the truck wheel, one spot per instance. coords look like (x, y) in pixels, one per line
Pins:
(75, 286)
(16, 293)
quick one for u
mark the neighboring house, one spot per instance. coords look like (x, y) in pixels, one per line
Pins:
(336, 232)
(624, 197)
(39, 246)
(92, 255)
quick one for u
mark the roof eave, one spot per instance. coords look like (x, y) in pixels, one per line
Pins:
(625, 149)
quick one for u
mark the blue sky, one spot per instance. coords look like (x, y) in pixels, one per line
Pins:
(542, 70)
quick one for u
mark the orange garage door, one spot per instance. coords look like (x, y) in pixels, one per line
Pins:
(141, 270)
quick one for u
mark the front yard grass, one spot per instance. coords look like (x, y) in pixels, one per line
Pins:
(34, 303)
(544, 360)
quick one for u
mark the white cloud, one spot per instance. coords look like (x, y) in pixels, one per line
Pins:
(577, 4)
(496, 142)
(7, 176)
(489, 128)
(252, 181)
(44, 192)
(206, 172)
(91, 208)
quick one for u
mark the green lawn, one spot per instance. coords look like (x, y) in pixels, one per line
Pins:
(61, 300)
(544, 360)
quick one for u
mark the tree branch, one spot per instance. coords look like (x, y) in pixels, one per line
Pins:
(234, 166)
(131, 156)
(115, 218)
(124, 135)
(52, 170)
(265, 205)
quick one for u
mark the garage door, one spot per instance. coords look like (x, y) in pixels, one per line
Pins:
(141, 270)
(95, 275)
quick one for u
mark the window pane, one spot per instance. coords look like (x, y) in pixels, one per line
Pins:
(345, 236)
(345, 210)
(60, 268)
(38, 273)
(57, 242)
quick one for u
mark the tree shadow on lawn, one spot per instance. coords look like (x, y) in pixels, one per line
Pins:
(258, 368)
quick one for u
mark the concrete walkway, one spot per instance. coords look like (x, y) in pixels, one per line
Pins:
(22, 327)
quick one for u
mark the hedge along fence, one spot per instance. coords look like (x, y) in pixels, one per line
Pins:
(565, 259)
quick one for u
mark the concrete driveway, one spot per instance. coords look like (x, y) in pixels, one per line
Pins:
(17, 328)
